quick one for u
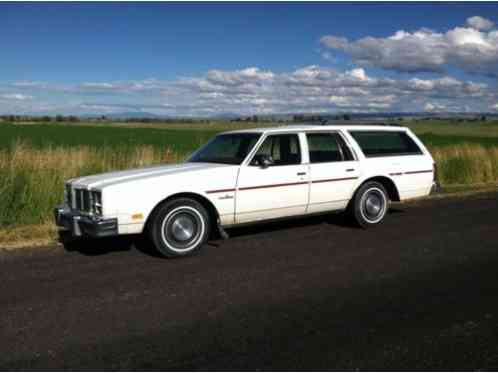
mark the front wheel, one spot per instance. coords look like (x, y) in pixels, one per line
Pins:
(179, 227)
(370, 204)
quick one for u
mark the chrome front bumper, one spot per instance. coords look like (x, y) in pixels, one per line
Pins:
(83, 225)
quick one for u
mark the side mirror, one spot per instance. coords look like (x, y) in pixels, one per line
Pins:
(263, 160)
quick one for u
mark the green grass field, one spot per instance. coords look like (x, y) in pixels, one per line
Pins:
(35, 159)
(189, 137)
(50, 135)
(451, 128)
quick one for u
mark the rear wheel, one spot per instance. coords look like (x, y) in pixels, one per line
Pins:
(179, 227)
(370, 204)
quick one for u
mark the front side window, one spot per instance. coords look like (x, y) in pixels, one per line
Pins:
(327, 147)
(282, 149)
(227, 149)
(385, 143)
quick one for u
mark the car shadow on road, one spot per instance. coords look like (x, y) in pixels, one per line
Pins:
(291, 223)
(340, 219)
(104, 246)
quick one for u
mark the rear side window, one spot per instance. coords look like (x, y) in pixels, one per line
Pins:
(385, 143)
(327, 147)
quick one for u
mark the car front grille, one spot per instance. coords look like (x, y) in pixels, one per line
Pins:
(82, 200)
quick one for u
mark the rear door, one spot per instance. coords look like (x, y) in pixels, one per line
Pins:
(333, 169)
(275, 191)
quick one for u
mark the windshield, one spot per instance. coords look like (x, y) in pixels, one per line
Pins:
(228, 149)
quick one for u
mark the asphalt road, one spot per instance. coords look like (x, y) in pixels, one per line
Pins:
(418, 292)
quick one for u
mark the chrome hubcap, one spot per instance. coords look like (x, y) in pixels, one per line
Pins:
(183, 228)
(374, 205)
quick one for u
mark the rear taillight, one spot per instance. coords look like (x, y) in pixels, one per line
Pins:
(434, 172)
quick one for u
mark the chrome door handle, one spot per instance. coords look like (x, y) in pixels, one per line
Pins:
(350, 170)
(301, 173)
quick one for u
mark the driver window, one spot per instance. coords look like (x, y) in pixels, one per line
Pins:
(283, 149)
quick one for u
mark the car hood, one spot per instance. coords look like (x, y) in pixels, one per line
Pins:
(112, 178)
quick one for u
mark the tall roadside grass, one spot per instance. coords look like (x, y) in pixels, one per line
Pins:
(466, 164)
(32, 179)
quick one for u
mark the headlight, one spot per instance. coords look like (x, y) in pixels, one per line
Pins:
(97, 203)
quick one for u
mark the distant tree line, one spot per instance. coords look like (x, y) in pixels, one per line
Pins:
(319, 118)
(43, 118)
(466, 119)
(297, 118)
(258, 119)
(102, 118)
(164, 120)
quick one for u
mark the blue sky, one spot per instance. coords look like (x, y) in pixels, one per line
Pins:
(204, 59)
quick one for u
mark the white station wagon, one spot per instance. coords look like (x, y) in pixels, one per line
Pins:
(250, 176)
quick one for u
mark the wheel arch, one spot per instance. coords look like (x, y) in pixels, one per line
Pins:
(205, 202)
(387, 182)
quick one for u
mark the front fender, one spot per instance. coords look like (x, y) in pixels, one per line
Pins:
(133, 202)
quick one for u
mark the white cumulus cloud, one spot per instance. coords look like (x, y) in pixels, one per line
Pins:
(15, 96)
(480, 23)
(434, 107)
(472, 48)
(358, 74)
(255, 91)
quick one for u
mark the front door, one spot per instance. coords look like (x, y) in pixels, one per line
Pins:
(275, 190)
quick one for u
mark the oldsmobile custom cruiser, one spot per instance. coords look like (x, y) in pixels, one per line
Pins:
(250, 176)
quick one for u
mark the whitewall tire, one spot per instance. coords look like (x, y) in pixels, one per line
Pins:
(179, 227)
(370, 204)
